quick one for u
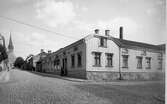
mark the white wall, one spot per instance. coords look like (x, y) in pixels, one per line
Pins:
(92, 44)
(132, 61)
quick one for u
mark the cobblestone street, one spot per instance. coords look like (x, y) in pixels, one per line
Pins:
(23, 87)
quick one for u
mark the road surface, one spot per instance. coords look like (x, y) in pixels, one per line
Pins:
(22, 87)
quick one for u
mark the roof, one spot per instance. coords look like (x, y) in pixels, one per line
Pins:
(69, 46)
(10, 46)
(119, 42)
(128, 43)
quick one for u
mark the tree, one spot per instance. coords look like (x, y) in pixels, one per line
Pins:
(19, 62)
(28, 63)
(3, 54)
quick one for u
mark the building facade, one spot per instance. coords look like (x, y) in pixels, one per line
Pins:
(103, 57)
(37, 59)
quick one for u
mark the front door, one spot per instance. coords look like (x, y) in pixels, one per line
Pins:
(64, 67)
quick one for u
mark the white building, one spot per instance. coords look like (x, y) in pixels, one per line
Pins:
(103, 57)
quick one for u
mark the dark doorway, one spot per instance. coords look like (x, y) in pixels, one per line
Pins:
(64, 67)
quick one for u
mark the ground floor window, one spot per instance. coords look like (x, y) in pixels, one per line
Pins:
(160, 64)
(109, 59)
(72, 61)
(148, 62)
(139, 62)
(79, 56)
(125, 61)
(57, 64)
(97, 58)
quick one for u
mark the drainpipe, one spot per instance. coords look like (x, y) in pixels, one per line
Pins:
(120, 77)
(121, 38)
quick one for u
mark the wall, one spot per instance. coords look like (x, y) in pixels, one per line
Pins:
(132, 61)
(112, 73)
(92, 44)
(78, 72)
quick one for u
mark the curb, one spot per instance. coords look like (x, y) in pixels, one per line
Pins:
(60, 77)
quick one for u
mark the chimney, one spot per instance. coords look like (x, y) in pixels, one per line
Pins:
(49, 51)
(42, 50)
(107, 32)
(97, 31)
(121, 32)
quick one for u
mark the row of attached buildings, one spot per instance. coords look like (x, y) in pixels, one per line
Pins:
(104, 57)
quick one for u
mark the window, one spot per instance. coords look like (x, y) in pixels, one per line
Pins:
(148, 62)
(57, 63)
(139, 62)
(103, 42)
(109, 59)
(160, 65)
(97, 58)
(125, 61)
(160, 60)
(79, 59)
(72, 60)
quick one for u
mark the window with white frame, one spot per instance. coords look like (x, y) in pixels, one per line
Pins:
(109, 57)
(125, 61)
(103, 42)
(97, 59)
(148, 62)
(160, 65)
(139, 62)
(160, 60)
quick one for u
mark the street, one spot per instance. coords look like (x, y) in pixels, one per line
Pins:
(22, 87)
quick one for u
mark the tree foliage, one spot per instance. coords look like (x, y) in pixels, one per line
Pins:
(3, 54)
(19, 62)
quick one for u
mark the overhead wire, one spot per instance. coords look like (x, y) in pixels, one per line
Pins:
(37, 27)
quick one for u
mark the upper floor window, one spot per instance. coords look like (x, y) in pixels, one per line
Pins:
(109, 59)
(103, 42)
(139, 62)
(97, 58)
(125, 61)
(79, 55)
(72, 60)
(148, 62)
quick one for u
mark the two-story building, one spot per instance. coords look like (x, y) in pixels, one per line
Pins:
(103, 57)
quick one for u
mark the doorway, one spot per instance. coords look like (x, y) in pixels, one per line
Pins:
(64, 67)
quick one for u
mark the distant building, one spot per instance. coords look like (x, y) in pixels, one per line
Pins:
(10, 52)
(36, 60)
(11, 55)
(103, 57)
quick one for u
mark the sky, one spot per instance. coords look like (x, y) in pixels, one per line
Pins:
(66, 21)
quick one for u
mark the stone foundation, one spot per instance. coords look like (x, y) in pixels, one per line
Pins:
(96, 75)
(77, 74)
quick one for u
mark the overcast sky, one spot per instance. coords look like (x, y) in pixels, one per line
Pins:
(143, 20)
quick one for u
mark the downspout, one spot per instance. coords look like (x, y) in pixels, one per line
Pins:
(120, 76)
(121, 38)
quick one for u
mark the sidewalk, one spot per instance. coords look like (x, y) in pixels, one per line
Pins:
(60, 77)
(114, 82)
